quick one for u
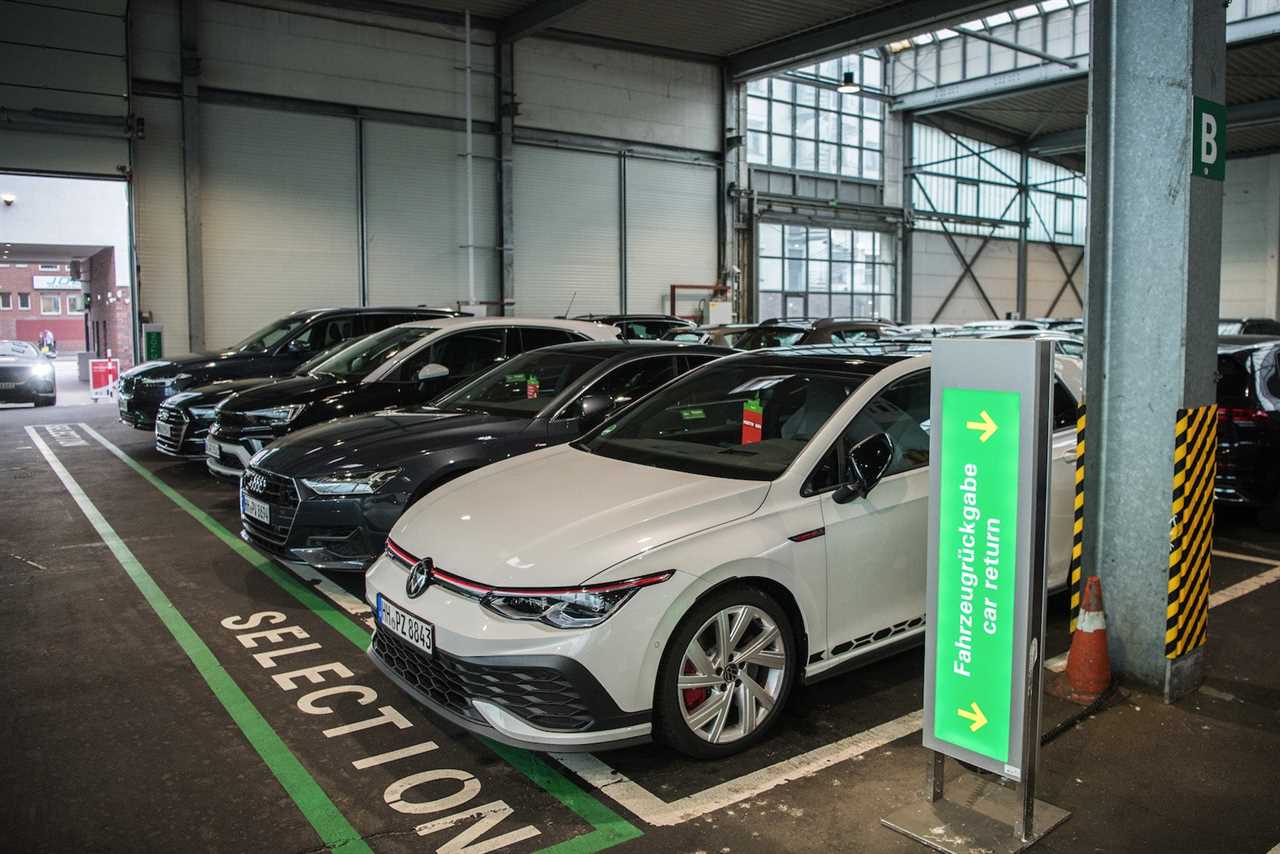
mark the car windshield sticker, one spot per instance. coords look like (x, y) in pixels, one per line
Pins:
(752, 421)
(531, 387)
(692, 414)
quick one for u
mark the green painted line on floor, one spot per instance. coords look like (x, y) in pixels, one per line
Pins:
(330, 825)
(609, 828)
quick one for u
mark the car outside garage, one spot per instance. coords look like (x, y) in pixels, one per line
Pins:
(573, 425)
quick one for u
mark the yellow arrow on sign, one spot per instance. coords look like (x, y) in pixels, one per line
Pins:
(979, 720)
(987, 427)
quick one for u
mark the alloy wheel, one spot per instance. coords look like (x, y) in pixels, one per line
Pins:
(732, 673)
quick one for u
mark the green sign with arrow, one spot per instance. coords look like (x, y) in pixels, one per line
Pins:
(977, 570)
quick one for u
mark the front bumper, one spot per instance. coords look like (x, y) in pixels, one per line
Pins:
(332, 533)
(28, 392)
(610, 672)
(138, 403)
(179, 435)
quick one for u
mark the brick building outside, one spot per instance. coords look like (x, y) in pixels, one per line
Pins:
(35, 297)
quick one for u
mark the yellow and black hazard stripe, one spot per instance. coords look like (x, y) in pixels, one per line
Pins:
(1077, 524)
(1191, 529)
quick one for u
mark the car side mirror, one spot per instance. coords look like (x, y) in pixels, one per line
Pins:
(433, 371)
(297, 345)
(593, 409)
(868, 461)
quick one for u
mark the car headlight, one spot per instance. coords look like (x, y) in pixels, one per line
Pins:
(570, 608)
(43, 371)
(354, 484)
(202, 411)
(276, 414)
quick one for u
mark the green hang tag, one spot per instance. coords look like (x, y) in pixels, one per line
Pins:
(514, 378)
(692, 414)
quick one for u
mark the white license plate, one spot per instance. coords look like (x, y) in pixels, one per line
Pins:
(420, 633)
(165, 430)
(255, 509)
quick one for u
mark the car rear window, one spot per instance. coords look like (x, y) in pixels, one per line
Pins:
(1235, 381)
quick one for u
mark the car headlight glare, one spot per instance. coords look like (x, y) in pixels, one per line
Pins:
(43, 371)
(575, 608)
(202, 411)
(276, 414)
(174, 399)
(365, 483)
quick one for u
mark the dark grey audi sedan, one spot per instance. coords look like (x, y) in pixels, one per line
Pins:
(327, 495)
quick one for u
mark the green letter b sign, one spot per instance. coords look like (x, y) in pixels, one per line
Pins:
(1209, 140)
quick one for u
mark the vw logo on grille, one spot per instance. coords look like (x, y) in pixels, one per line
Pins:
(256, 483)
(419, 578)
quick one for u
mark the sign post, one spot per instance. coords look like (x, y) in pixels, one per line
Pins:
(103, 374)
(988, 537)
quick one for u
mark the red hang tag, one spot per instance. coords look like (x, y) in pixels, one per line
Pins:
(531, 387)
(752, 422)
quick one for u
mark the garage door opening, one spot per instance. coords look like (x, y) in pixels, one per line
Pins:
(65, 282)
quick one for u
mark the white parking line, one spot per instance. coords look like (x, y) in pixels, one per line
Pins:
(1059, 662)
(652, 809)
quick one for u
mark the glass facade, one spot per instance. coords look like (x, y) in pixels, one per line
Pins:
(793, 125)
(817, 271)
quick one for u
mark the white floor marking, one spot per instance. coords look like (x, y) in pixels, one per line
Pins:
(652, 809)
(1059, 662)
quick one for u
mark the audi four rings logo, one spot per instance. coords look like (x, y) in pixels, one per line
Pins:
(257, 483)
(419, 578)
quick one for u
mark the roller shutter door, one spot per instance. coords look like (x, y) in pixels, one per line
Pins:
(57, 59)
(671, 230)
(281, 216)
(566, 232)
(416, 216)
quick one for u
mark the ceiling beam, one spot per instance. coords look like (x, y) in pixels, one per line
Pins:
(536, 17)
(1241, 116)
(403, 10)
(1018, 48)
(629, 46)
(870, 29)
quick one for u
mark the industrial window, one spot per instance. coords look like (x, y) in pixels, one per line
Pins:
(6, 301)
(1063, 215)
(75, 303)
(24, 301)
(793, 125)
(811, 271)
(50, 304)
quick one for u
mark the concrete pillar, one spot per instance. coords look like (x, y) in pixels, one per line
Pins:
(1154, 250)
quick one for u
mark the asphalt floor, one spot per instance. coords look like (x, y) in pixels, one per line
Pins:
(144, 709)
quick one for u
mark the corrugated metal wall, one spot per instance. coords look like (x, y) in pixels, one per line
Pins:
(281, 216)
(671, 230)
(416, 208)
(567, 232)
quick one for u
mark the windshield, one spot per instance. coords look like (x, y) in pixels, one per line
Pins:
(741, 420)
(768, 336)
(361, 358)
(20, 349)
(269, 336)
(1230, 327)
(522, 386)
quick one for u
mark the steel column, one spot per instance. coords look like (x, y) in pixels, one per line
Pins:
(189, 44)
(506, 109)
(1024, 194)
(906, 243)
(1154, 255)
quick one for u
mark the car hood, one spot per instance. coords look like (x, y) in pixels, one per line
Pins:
(302, 388)
(196, 364)
(23, 361)
(560, 516)
(382, 439)
(215, 391)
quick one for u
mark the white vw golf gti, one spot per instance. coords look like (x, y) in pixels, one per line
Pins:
(760, 520)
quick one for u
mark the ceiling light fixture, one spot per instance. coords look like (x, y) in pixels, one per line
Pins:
(847, 86)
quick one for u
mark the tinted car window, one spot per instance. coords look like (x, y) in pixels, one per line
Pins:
(324, 334)
(1261, 326)
(470, 352)
(644, 330)
(768, 336)
(854, 336)
(361, 357)
(531, 338)
(522, 386)
(635, 379)
(1229, 327)
(1234, 382)
(368, 323)
(736, 420)
(269, 336)
(1064, 407)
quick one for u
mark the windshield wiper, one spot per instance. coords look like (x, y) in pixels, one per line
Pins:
(738, 451)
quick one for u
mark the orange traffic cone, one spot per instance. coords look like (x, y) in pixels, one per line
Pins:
(1088, 664)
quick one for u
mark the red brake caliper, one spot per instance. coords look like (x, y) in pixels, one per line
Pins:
(693, 697)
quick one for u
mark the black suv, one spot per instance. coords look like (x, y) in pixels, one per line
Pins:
(1249, 425)
(327, 496)
(273, 351)
(640, 327)
(796, 332)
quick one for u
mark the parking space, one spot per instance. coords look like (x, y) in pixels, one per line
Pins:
(156, 652)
